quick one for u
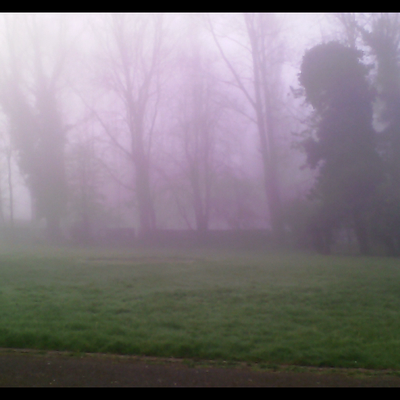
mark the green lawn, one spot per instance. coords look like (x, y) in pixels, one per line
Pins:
(236, 306)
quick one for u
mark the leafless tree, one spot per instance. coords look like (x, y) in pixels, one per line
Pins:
(198, 133)
(260, 40)
(197, 127)
(132, 54)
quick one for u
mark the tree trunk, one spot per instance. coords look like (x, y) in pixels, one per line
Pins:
(11, 191)
(145, 201)
(275, 209)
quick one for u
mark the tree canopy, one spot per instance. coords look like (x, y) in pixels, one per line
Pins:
(343, 141)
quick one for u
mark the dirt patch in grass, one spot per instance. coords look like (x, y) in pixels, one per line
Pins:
(27, 368)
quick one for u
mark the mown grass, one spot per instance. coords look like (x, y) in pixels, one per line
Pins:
(272, 308)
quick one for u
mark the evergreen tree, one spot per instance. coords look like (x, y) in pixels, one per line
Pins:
(384, 42)
(343, 140)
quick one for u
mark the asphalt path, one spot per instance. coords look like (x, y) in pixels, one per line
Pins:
(25, 368)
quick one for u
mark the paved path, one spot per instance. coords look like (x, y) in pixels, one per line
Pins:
(30, 369)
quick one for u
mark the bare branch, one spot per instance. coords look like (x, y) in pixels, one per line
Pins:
(105, 127)
(229, 65)
(111, 173)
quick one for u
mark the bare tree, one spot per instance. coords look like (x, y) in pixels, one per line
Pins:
(197, 143)
(197, 126)
(264, 49)
(132, 53)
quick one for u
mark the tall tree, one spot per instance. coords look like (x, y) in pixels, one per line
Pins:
(8, 157)
(383, 38)
(264, 47)
(132, 55)
(29, 99)
(379, 34)
(343, 147)
(198, 114)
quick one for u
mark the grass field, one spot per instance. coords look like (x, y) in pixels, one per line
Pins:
(269, 308)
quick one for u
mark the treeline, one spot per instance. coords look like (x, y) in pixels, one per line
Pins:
(146, 120)
(357, 184)
(160, 122)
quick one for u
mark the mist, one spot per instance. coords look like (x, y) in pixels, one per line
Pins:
(121, 127)
(207, 190)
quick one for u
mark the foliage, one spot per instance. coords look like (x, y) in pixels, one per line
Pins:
(31, 106)
(343, 147)
(39, 138)
(383, 40)
(385, 217)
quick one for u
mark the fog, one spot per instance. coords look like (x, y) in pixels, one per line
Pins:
(151, 122)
